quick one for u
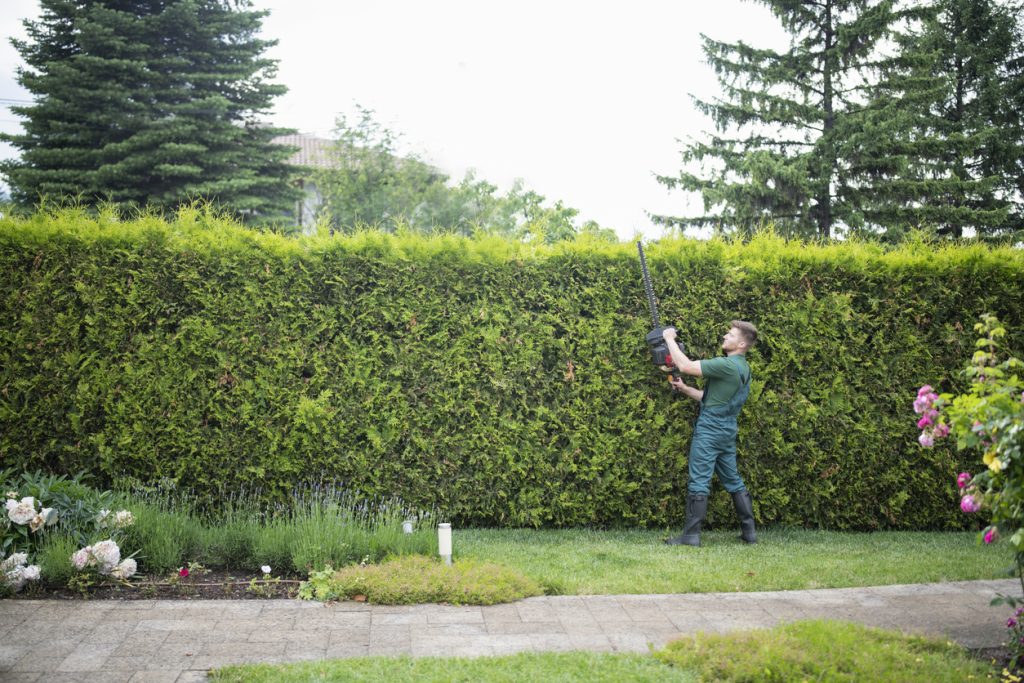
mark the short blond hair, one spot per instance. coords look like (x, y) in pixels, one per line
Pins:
(747, 331)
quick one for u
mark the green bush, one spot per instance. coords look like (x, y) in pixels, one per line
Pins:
(498, 383)
(54, 558)
(415, 579)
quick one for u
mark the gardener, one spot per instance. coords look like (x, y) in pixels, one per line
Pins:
(713, 447)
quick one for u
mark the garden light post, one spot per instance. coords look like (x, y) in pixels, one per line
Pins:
(444, 542)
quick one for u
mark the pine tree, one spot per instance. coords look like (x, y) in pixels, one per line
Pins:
(790, 112)
(940, 145)
(150, 103)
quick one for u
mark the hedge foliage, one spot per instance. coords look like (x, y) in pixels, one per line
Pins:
(499, 383)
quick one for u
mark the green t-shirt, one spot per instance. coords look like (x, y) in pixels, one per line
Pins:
(722, 377)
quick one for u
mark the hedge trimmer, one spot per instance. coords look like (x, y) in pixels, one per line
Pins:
(655, 338)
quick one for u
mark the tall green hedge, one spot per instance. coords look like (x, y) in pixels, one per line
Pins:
(501, 383)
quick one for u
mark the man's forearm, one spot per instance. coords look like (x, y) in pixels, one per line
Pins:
(693, 392)
(679, 359)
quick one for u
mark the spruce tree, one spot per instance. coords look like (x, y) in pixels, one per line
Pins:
(150, 103)
(940, 145)
(787, 113)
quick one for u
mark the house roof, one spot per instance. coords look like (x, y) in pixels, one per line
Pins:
(313, 151)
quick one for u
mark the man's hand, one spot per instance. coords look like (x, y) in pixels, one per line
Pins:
(669, 334)
(677, 383)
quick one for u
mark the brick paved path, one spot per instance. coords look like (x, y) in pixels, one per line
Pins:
(179, 640)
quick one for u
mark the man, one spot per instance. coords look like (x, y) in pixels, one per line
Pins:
(713, 447)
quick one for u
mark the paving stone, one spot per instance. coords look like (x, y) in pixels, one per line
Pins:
(132, 664)
(191, 677)
(29, 634)
(591, 642)
(208, 636)
(582, 628)
(310, 650)
(359, 650)
(455, 615)
(88, 677)
(526, 628)
(398, 618)
(331, 620)
(449, 630)
(155, 677)
(138, 643)
(500, 613)
(361, 636)
(9, 654)
(535, 609)
(46, 658)
(88, 657)
(310, 637)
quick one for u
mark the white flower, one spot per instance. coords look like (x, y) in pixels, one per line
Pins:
(15, 578)
(107, 555)
(82, 558)
(36, 523)
(50, 515)
(23, 512)
(101, 519)
(123, 518)
(125, 569)
(15, 560)
(12, 494)
(265, 569)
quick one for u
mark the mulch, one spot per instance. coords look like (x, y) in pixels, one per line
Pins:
(211, 585)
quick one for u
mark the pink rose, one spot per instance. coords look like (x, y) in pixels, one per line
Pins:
(968, 504)
(926, 389)
(941, 430)
(924, 422)
(962, 479)
(991, 534)
(926, 440)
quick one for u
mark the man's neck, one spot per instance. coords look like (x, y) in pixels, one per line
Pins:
(737, 352)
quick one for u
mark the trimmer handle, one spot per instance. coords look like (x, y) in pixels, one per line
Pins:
(659, 350)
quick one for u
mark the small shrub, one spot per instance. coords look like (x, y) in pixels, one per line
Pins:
(820, 651)
(232, 545)
(165, 539)
(273, 546)
(414, 579)
(54, 558)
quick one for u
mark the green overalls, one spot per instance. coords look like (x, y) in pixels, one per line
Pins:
(713, 448)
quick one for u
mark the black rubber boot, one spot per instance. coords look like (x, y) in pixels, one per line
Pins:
(745, 511)
(696, 509)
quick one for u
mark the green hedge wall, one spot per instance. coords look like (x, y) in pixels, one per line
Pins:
(500, 383)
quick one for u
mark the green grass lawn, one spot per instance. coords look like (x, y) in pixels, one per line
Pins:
(803, 651)
(608, 562)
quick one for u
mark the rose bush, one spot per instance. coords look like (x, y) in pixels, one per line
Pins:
(15, 573)
(989, 417)
(36, 504)
(104, 558)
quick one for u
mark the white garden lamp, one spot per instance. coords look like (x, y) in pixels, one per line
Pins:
(444, 542)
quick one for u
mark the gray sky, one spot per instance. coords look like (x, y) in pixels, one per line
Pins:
(583, 100)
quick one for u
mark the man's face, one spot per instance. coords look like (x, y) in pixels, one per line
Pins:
(732, 341)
